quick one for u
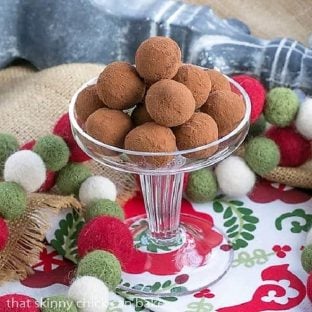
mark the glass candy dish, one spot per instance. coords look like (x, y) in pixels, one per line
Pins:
(176, 253)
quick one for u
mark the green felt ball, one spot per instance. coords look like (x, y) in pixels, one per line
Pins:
(262, 155)
(13, 200)
(258, 127)
(58, 304)
(281, 107)
(71, 177)
(8, 146)
(104, 207)
(306, 258)
(102, 265)
(53, 151)
(202, 186)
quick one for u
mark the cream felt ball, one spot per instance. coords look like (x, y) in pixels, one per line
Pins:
(25, 168)
(90, 294)
(309, 238)
(303, 121)
(234, 177)
(97, 187)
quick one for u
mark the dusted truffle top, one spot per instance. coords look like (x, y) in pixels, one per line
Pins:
(119, 86)
(109, 126)
(169, 103)
(226, 108)
(218, 81)
(197, 80)
(158, 58)
(87, 103)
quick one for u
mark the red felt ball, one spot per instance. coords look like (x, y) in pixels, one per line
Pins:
(62, 128)
(109, 234)
(295, 149)
(185, 181)
(18, 303)
(256, 93)
(309, 287)
(49, 182)
(28, 145)
(4, 233)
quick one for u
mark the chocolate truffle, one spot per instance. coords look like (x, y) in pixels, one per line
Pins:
(226, 108)
(119, 86)
(87, 103)
(151, 137)
(200, 130)
(158, 58)
(197, 80)
(218, 81)
(169, 103)
(109, 126)
(140, 115)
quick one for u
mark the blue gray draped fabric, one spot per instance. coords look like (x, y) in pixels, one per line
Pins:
(52, 32)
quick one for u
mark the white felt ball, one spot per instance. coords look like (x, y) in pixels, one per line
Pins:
(234, 177)
(90, 294)
(303, 121)
(25, 168)
(97, 187)
(309, 238)
(53, 219)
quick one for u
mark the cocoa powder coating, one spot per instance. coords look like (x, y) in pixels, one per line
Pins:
(151, 137)
(200, 130)
(218, 81)
(119, 86)
(158, 58)
(87, 103)
(196, 80)
(169, 103)
(140, 115)
(226, 108)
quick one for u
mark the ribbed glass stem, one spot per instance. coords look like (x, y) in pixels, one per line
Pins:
(162, 198)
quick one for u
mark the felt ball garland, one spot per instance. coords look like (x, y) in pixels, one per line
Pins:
(21, 303)
(104, 207)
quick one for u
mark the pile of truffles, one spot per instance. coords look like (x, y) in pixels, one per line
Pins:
(160, 104)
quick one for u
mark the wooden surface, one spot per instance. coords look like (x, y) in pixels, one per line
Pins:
(268, 18)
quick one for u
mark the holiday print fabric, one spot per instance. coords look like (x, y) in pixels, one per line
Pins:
(267, 232)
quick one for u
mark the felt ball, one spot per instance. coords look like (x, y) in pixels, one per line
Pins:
(25, 168)
(102, 265)
(258, 127)
(256, 93)
(13, 200)
(8, 146)
(58, 304)
(262, 155)
(97, 187)
(90, 294)
(309, 238)
(53, 220)
(306, 258)
(295, 149)
(304, 117)
(18, 303)
(62, 128)
(71, 177)
(53, 150)
(4, 233)
(281, 107)
(50, 175)
(202, 186)
(104, 207)
(234, 177)
(28, 145)
(309, 287)
(109, 234)
(49, 182)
